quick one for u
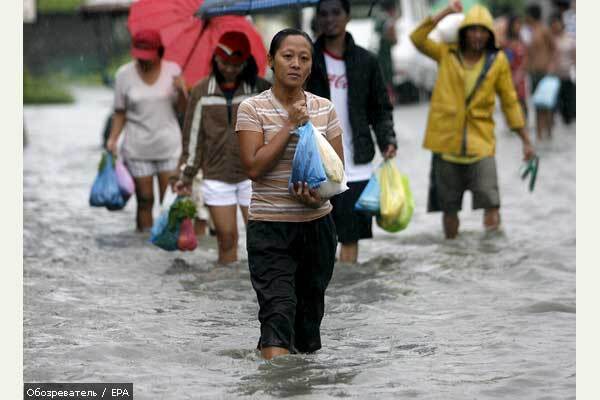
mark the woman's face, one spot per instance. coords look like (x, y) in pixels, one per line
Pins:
(229, 71)
(515, 27)
(292, 62)
(146, 65)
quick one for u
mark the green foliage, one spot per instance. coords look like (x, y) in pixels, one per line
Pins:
(181, 209)
(58, 6)
(44, 90)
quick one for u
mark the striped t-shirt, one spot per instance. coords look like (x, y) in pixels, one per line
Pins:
(271, 200)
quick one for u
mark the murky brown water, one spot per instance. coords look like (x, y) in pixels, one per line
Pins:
(482, 317)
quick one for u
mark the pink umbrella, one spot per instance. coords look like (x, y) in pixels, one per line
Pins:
(188, 40)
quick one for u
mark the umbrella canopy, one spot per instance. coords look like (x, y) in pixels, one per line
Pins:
(212, 8)
(188, 40)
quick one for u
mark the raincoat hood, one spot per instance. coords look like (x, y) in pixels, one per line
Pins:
(479, 15)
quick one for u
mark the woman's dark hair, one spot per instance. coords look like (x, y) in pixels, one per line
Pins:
(161, 51)
(510, 28)
(248, 74)
(345, 5)
(279, 36)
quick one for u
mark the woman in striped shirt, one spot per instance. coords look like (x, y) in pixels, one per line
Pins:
(291, 237)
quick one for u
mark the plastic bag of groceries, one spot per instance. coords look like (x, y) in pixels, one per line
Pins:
(105, 190)
(395, 222)
(369, 199)
(307, 165)
(173, 230)
(546, 92)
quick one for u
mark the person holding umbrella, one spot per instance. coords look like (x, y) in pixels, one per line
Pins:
(209, 143)
(149, 92)
(291, 237)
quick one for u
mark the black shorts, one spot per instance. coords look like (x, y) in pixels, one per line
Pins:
(351, 225)
(291, 264)
(448, 182)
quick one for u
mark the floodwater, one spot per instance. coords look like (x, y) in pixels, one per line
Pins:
(480, 317)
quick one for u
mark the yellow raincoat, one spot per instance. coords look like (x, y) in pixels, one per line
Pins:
(453, 127)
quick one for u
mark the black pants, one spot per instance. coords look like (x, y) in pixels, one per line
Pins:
(566, 100)
(291, 264)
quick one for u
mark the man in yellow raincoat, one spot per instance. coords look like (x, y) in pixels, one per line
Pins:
(460, 126)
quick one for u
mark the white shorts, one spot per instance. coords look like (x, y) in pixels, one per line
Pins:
(143, 168)
(219, 193)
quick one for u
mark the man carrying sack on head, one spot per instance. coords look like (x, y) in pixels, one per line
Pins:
(460, 125)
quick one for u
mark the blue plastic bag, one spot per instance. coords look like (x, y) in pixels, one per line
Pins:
(307, 165)
(105, 190)
(546, 92)
(370, 197)
(164, 235)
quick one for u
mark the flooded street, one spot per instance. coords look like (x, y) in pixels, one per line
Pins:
(481, 317)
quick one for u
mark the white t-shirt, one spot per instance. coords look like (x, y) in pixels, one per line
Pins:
(151, 129)
(338, 87)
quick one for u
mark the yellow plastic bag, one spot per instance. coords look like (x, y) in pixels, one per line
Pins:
(332, 164)
(392, 191)
(401, 221)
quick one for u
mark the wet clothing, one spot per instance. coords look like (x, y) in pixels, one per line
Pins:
(368, 102)
(565, 64)
(271, 200)
(566, 100)
(144, 168)
(209, 140)
(453, 126)
(338, 86)
(351, 225)
(471, 74)
(449, 181)
(290, 267)
(219, 193)
(151, 129)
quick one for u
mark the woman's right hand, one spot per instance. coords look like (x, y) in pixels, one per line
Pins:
(182, 189)
(455, 6)
(298, 114)
(111, 145)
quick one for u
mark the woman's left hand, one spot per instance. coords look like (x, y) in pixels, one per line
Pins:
(390, 152)
(307, 196)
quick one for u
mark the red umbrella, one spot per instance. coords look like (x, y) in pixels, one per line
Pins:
(188, 40)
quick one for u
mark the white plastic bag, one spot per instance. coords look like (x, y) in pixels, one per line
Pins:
(168, 199)
(447, 29)
(329, 188)
(332, 164)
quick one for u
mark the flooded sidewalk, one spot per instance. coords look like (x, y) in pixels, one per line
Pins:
(481, 317)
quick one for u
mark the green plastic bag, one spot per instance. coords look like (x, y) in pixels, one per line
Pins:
(398, 222)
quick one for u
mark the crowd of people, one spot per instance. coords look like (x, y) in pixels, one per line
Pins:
(238, 140)
(537, 48)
